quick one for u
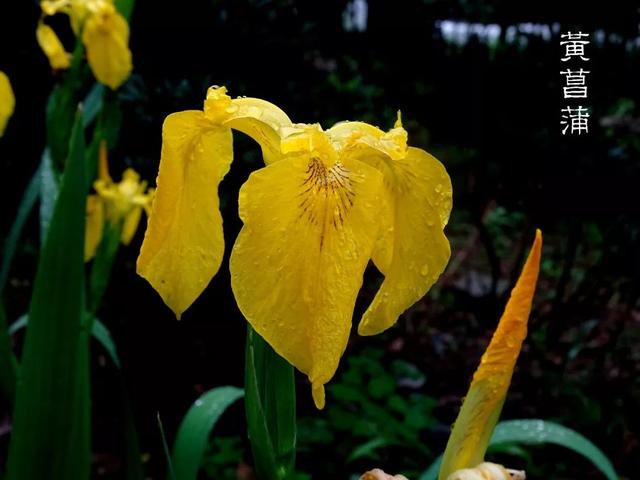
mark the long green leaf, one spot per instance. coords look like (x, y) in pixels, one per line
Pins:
(92, 104)
(101, 333)
(51, 430)
(102, 265)
(98, 331)
(8, 363)
(26, 205)
(125, 7)
(536, 432)
(271, 409)
(193, 435)
(539, 432)
(132, 456)
(61, 107)
(48, 193)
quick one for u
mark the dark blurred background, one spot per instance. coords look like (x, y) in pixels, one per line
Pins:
(479, 86)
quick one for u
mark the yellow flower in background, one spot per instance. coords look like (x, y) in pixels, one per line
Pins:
(481, 409)
(325, 204)
(121, 204)
(59, 58)
(7, 101)
(104, 32)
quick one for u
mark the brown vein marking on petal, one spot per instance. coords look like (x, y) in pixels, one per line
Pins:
(327, 195)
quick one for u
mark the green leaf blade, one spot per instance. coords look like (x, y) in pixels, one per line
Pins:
(51, 431)
(195, 429)
(533, 431)
(29, 198)
(537, 432)
(271, 409)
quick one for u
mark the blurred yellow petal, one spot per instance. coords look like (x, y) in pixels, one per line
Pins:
(94, 227)
(184, 243)
(413, 250)
(59, 58)
(480, 411)
(130, 225)
(103, 163)
(259, 119)
(297, 264)
(106, 37)
(7, 102)
(51, 7)
(79, 10)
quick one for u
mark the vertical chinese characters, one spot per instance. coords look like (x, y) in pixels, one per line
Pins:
(575, 120)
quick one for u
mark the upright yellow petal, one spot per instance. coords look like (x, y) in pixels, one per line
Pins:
(106, 37)
(481, 408)
(413, 250)
(94, 226)
(259, 119)
(59, 58)
(297, 264)
(7, 101)
(184, 243)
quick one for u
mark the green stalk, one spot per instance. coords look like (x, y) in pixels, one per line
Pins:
(270, 403)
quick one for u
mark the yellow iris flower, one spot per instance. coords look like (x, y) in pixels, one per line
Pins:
(481, 409)
(7, 102)
(104, 32)
(121, 204)
(324, 205)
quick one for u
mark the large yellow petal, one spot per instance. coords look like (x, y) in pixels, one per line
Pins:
(59, 58)
(184, 243)
(106, 37)
(261, 120)
(94, 227)
(413, 250)
(7, 101)
(481, 408)
(297, 264)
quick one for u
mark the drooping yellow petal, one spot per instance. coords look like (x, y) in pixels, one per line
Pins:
(413, 250)
(7, 102)
(106, 38)
(130, 225)
(481, 408)
(59, 58)
(94, 226)
(259, 119)
(184, 243)
(297, 264)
